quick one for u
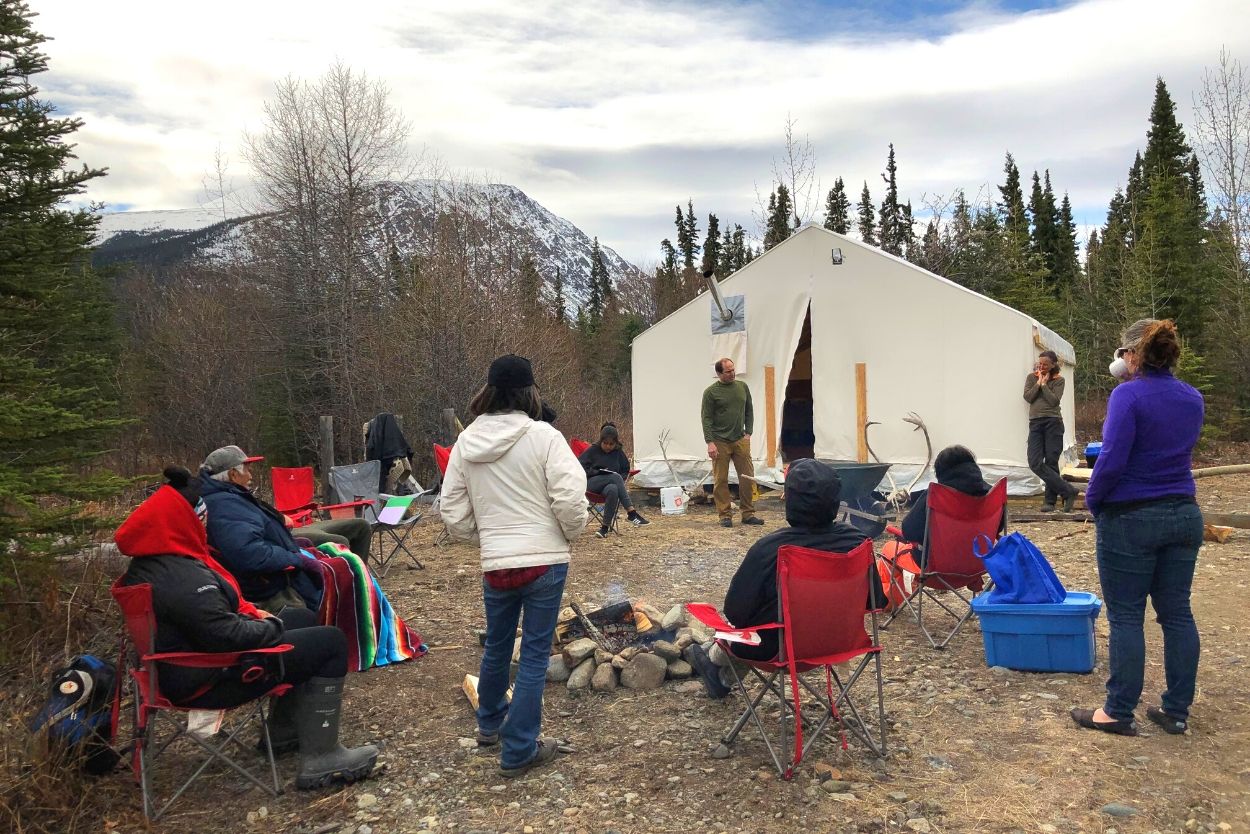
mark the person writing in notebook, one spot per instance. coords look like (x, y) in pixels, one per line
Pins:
(607, 467)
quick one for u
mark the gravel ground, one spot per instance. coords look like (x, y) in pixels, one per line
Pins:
(972, 748)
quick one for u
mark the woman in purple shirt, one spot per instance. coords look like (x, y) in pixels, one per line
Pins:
(1149, 527)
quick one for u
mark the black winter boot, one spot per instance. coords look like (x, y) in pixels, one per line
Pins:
(322, 760)
(283, 729)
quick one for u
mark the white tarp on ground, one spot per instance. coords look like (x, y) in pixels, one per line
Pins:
(956, 358)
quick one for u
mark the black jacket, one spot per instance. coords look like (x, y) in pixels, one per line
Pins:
(195, 605)
(965, 477)
(594, 459)
(812, 494)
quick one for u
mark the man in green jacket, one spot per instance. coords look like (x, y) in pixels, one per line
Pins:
(727, 421)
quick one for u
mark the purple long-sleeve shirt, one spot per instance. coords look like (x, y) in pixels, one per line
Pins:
(1153, 422)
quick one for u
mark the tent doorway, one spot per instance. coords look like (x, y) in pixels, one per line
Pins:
(798, 434)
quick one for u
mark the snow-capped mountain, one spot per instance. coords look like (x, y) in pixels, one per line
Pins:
(407, 211)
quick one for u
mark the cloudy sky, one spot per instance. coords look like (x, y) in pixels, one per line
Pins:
(610, 113)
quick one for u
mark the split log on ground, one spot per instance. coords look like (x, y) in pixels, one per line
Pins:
(1215, 533)
(1082, 473)
(470, 690)
(1241, 521)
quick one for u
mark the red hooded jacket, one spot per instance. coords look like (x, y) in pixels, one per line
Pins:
(166, 525)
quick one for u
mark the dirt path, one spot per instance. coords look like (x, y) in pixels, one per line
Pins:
(973, 750)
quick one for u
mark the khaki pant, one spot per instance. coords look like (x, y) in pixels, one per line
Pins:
(739, 453)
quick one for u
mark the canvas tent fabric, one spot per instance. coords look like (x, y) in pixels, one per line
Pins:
(930, 346)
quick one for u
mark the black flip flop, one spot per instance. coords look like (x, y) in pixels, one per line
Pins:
(1085, 718)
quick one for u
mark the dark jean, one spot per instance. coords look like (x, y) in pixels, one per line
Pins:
(518, 724)
(1045, 447)
(612, 487)
(1150, 549)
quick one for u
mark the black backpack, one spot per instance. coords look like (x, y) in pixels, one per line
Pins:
(80, 715)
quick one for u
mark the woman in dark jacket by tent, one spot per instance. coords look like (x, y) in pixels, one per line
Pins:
(607, 467)
(198, 608)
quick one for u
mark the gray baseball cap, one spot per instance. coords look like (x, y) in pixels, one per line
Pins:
(227, 457)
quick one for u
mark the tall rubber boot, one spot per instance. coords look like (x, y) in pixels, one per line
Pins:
(322, 760)
(283, 728)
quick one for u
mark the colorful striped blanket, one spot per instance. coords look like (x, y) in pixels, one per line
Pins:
(352, 600)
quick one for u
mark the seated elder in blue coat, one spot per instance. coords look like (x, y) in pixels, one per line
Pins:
(251, 538)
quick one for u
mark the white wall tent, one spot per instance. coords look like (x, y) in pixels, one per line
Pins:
(802, 323)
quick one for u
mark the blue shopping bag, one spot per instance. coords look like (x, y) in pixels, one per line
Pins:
(1020, 571)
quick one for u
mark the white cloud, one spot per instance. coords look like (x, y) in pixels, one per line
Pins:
(609, 113)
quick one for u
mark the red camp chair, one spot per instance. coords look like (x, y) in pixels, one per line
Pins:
(822, 605)
(149, 703)
(954, 521)
(442, 456)
(293, 490)
(596, 500)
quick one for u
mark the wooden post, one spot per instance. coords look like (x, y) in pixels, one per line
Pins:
(861, 412)
(449, 425)
(770, 406)
(327, 454)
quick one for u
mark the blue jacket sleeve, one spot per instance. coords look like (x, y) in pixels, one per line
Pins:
(1118, 433)
(237, 531)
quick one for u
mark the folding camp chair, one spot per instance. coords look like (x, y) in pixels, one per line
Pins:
(822, 605)
(293, 490)
(150, 704)
(595, 500)
(386, 514)
(954, 522)
(442, 457)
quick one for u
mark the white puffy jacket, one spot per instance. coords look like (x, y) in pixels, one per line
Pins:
(514, 485)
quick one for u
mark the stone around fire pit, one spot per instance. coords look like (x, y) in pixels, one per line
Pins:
(579, 650)
(557, 670)
(602, 656)
(580, 678)
(666, 650)
(679, 669)
(645, 671)
(675, 618)
(604, 679)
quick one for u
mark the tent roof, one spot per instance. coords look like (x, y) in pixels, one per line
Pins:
(1043, 336)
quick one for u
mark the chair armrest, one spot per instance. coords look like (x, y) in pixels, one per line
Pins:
(894, 531)
(212, 660)
(710, 617)
(633, 472)
(345, 506)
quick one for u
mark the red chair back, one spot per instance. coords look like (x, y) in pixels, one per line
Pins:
(442, 456)
(824, 598)
(135, 602)
(292, 488)
(955, 520)
(578, 446)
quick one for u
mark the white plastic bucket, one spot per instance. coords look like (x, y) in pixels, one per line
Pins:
(672, 501)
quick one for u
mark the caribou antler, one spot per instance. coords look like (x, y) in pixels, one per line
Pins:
(914, 418)
(888, 476)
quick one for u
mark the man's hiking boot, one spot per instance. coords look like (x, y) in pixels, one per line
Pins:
(1069, 503)
(726, 522)
(1047, 508)
(322, 760)
(548, 749)
(708, 671)
(753, 520)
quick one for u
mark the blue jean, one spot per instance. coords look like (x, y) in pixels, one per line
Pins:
(1150, 550)
(518, 724)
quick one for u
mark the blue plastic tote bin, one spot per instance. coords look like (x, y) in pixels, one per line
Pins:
(1092, 451)
(1056, 637)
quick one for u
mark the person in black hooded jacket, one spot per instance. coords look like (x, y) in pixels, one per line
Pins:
(813, 496)
(955, 467)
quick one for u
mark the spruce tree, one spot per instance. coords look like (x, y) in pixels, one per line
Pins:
(1044, 240)
(687, 234)
(838, 209)
(740, 254)
(529, 285)
(778, 220)
(891, 219)
(561, 310)
(1015, 222)
(711, 246)
(601, 292)
(725, 264)
(867, 218)
(58, 341)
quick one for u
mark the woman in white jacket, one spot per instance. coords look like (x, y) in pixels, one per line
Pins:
(514, 486)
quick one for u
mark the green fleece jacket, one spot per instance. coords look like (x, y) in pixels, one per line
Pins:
(727, 412)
